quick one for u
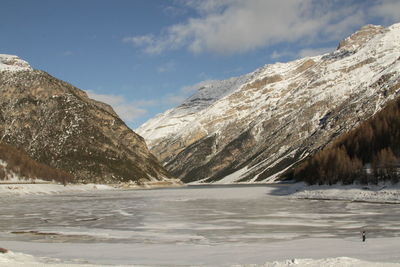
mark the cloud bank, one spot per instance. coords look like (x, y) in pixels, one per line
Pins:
(236, 26)
(129, 111)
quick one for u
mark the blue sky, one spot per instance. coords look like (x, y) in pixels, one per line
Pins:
(143, 56)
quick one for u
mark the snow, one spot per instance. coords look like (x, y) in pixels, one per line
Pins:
(231, 178)
(328, 262)
(50, 188)
(15, 259)
(177, 119)
(175, 245)
(304, 252)
(381, 193)
(342, 76)
(13, 63)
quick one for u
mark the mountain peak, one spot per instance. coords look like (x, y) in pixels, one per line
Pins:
(280, 113)
(56, 124)
(13, 63)
(357, 39)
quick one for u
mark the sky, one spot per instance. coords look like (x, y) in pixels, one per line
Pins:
(145, 56)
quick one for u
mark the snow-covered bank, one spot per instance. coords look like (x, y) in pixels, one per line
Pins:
(43, 187)
(23, 189)
(19, 259)
(381, 193)
(304, 252)
(14, 259)
(329, 262)
(170, 183)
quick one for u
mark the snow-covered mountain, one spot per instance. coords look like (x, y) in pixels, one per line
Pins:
(13, 63)
(176, 119)
(254, 127)
(58, 125)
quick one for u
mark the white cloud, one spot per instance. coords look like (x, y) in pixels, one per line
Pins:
(109, 99)
(173, 100)
(208, 6)
(181, 95)
(166, 67)
(140, 40)
(281, 54)
(387, 9)
(190, 89)
(235, 26)
(149, 42)
(309, 52)
(129, 111)
(174, 10)
(234, 71)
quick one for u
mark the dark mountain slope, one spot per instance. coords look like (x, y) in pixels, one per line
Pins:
(15, 162)
(369, 153)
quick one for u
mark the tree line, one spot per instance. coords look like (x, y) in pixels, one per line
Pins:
(368, 154)
(24, 166)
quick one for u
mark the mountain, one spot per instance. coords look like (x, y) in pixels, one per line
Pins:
(17, 166)
(58, 125)
(367, 154)
(273, 118)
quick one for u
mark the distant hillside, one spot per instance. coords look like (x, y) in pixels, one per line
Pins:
(255, 127)
(16, 164)
(58, 125)
(368, 154)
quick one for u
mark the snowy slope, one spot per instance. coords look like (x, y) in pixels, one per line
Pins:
(177, 119)
(13, 63)
(279, 113)
(17, 259)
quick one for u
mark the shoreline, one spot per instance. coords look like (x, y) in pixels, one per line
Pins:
(299, 252)
(384, 193)
(49, 188)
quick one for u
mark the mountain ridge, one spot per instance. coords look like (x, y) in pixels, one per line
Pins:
(58, 125)
(283, 112)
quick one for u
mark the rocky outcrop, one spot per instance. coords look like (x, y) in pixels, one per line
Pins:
(57, 124)
(280, 113)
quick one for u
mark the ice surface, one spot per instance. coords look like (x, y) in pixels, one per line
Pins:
(196, 225)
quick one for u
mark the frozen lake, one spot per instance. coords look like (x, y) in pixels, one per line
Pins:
(177, 226)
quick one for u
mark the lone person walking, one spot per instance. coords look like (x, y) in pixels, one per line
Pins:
(363, 236)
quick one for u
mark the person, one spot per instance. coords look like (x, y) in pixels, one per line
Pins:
(363, 236)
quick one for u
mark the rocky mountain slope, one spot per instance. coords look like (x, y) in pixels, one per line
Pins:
(367, 154)
(274, 117)
(57, 124)
(16, 166)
